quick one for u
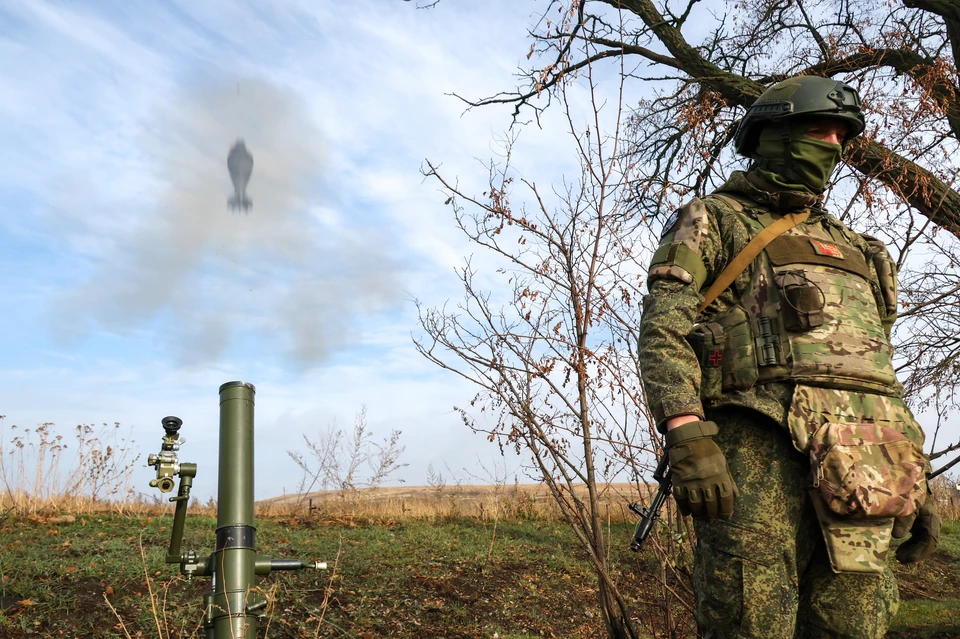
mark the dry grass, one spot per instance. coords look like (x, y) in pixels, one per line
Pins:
(487, 503)
(44, 474)
(946, 494)
(496, 502)
(493, 502)
(43, 471)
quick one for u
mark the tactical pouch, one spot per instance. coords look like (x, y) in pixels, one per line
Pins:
(867, 470)
(885, 288)
(854, 545)
(802, 301)
(841, 431)
(707, 340)
(739, 365)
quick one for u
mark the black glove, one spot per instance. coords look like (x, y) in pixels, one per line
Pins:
(702, 485)
(924, 527)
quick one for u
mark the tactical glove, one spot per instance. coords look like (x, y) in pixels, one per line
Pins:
(924, 527)
(702, 485)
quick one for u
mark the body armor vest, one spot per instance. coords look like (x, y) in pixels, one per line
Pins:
(815, 313)
(811, 315)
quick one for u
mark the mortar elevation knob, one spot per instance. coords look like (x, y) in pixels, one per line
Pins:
(171, 424)
(165, 484)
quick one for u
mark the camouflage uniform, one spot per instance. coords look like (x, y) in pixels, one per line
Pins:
(765, 572)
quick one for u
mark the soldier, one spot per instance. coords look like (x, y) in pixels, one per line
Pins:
(766, 359)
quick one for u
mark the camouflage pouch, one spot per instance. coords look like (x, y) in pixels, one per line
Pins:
(707, 340)
(739, 365)
(854, 545)
(803, 301)
(867, 470)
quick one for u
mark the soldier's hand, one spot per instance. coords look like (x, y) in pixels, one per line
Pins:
(702, 485)
(924, 528)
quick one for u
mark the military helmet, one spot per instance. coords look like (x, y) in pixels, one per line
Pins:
(799, 97)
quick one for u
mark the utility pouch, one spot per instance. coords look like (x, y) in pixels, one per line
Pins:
(856, 546)
(707, 340)
(802, 301)
(867, 470)
(739, 365)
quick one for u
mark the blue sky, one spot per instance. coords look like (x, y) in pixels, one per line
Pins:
(132, 292)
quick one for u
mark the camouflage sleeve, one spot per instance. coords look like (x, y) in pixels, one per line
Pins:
(668, 364)
(886, 273)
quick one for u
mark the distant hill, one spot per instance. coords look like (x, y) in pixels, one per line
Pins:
(484, 500)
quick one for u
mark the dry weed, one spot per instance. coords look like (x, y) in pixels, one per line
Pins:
(41, 471)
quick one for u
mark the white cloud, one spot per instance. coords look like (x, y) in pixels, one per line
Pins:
(115, 126)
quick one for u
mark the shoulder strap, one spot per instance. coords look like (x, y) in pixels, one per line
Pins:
(749, 253)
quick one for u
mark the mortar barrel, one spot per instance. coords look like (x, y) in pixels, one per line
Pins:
(235, 605)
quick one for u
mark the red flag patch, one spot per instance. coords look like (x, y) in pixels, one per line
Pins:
(830, 250)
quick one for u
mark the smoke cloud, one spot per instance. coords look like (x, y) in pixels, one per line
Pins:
(292, 275)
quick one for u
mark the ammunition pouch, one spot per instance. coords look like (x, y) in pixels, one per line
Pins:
(885, 289)
(740, 357)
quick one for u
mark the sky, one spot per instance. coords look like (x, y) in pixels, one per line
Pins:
(131, 291)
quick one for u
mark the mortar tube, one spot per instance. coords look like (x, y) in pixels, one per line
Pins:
(234, 605)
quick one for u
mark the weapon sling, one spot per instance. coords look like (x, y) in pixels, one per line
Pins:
(750, 252)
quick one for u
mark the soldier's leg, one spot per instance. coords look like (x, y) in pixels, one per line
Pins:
(847, 606)
(745, 568)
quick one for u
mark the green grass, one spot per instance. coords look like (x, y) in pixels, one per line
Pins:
(458, 578)
(927, 619)
(950, 538)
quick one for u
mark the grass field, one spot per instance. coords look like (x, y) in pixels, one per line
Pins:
(450, 576)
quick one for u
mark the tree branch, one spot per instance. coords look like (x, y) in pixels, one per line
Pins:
(916, 185)
(944, 468)
(924, 191)
(941, 453)
(949, 10)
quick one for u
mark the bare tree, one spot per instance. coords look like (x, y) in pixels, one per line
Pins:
(347, 463)
(900, 178)
(553, 353)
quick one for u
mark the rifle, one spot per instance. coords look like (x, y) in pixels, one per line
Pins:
(650, 514)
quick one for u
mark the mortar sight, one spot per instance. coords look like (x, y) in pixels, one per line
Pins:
(166, 463)
(172, 424)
